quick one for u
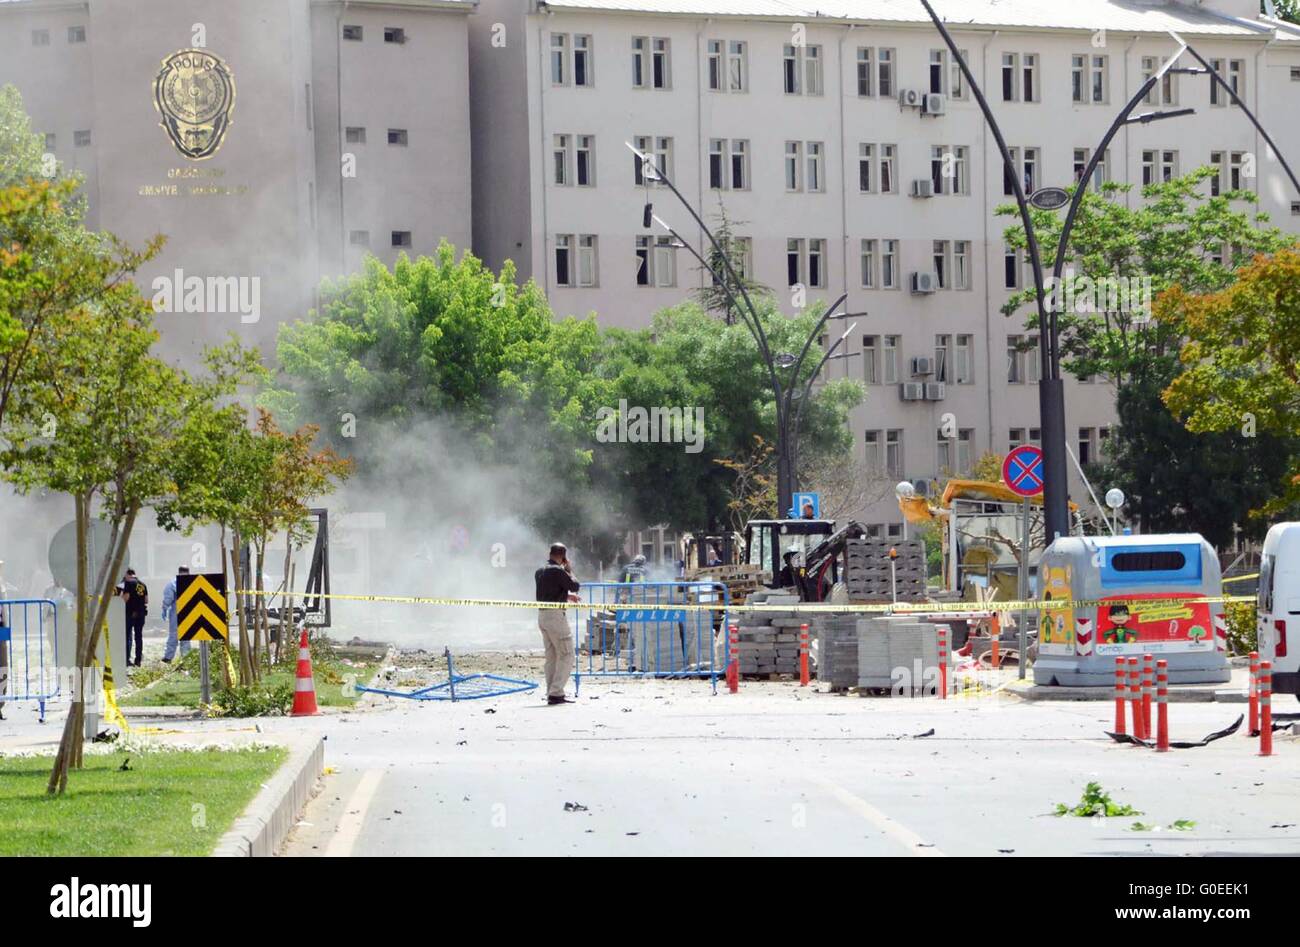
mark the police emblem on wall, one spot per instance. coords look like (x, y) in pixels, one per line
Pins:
(194, 92)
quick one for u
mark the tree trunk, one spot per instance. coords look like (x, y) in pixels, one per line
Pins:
(72, 740)
(259, 601)
(286, 601)
(245, 665)
(225, 575)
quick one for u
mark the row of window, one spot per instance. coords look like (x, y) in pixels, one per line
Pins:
(954, 360)
(951, 263)
(956, 455)
(397, 238)
(802, 70)
(80, 139)
(76, 34)
(805, 168)
(356, 135)
(356, 33)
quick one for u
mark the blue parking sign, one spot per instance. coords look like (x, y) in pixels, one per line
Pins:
(802, 500)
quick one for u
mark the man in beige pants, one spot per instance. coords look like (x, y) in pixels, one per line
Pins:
(555, 583)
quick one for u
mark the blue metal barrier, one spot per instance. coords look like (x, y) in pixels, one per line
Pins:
(29, 651)
(640, 630)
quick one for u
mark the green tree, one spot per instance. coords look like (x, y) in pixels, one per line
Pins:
(689, 359)
(50, 264)
(289, 474)
(1241, 380)
(437, 337)
(1286, 9)
(716, 292)
(1176, 235)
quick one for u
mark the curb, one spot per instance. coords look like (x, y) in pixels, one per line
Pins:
(265, 824)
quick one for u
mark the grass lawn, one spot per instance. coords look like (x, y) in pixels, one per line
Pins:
(176, 690)
(146, 810)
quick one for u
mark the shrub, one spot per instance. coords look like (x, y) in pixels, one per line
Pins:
(1242, 627)
(262, 700)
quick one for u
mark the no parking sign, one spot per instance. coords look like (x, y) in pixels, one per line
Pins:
(1022, 471)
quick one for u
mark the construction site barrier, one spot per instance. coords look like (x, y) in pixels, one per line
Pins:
(1135, 698)
(1162, 706)
(1148, 669)
(1253, 727)
(652, 629)
(803, 655)
(733, 658)
(1265, 708)
(1120, 715)
(29, 651)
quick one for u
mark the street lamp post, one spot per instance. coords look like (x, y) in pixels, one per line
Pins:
(1051, 387)
(788, 414)
(1051, 390)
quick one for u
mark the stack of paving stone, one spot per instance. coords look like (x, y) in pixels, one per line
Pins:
(769, 642)
(659, 647)
(898, 652)
(868, 576)
(837, 651)
(604, 634)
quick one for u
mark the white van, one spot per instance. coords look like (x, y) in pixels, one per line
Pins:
(1279, 606)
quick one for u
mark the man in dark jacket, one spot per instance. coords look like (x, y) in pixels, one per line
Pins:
(555, 583)
(136, 594)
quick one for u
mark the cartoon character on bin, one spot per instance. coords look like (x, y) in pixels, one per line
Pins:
(1121, 633)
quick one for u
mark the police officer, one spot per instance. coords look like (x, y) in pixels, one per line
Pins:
(136, 594)
(555, 583)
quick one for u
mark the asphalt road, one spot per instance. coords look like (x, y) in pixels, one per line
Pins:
(663, 767)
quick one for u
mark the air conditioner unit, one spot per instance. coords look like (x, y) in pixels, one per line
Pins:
(912, 391)
(935, 391)
(923, 187)
(923, 283)
(934, 104)
(910, 98)
(922, 365)
(922, 487)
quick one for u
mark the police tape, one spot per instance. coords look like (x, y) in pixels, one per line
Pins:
(1241, 578)
(898, 608)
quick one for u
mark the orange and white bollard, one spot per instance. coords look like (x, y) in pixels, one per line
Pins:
(1253, 728)
(803, 655)
(1148, 685)
(304, 690)
(995, 657)
(1120, 713)
(733, 658)
(1162, 706)
(1135, 698)
(1265, 708)
(943, 661)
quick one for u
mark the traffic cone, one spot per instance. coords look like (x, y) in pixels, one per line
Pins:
(304, 691)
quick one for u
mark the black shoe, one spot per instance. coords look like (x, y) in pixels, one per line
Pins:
(558, 700)
(166, 660)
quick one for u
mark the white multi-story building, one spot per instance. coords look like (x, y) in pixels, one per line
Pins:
(800, 121)
(367, 125)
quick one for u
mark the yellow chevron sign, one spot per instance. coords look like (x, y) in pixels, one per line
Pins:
(201, 607)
